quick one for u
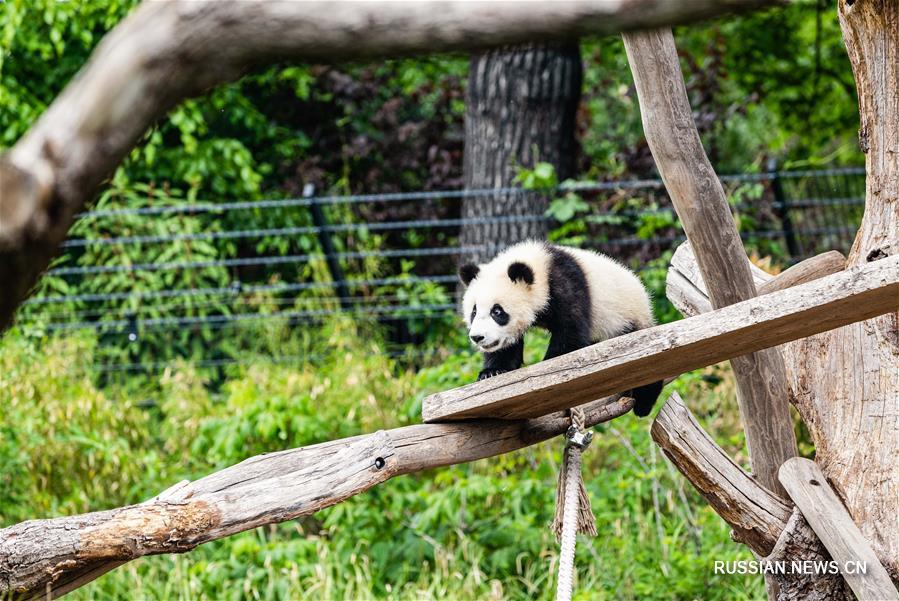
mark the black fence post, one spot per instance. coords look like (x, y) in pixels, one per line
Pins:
(794, 245)
(324, 239)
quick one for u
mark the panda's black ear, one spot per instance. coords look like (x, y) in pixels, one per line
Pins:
(468, 272)
(519, 272)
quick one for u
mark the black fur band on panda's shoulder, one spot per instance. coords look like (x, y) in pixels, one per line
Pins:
(567, 316)
(468, 272)
(519, 272)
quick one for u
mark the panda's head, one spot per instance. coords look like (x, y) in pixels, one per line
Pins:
(504, 297)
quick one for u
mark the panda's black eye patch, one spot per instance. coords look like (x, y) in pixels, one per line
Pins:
(474, 311)
(498, 315)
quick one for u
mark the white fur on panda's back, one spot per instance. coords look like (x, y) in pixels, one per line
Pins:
(618, 299)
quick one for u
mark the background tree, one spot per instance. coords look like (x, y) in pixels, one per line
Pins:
(521, 105)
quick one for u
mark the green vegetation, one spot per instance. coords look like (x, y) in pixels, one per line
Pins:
(774, 84)
(470, 531)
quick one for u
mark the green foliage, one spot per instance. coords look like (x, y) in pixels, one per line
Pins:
(768, 84)
(43, 43)
(469, 531)
(541, 178)
(565, 207)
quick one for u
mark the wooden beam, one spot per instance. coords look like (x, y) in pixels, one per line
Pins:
(667, 350)
(47, 558)
(808, 488)
(687, 291)
(702, 207)
(760, 519)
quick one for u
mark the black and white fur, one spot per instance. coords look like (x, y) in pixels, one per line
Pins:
(579, 296)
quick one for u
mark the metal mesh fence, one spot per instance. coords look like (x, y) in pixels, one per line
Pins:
(154, 293)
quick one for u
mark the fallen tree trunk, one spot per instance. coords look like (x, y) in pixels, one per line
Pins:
(667, 350)
(165, 52)
(54, 556)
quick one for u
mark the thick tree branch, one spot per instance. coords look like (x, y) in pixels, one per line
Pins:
(756, 514)
(60, 554)
(165, 52)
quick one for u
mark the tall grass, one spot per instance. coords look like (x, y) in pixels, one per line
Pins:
(475, 531)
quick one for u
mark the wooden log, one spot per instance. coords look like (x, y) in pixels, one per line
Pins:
(756, 514)
(165, 52)
(667, 350)
(701, 205)
(687, 291)
(759, 518)
(53, 556)
(808, 488)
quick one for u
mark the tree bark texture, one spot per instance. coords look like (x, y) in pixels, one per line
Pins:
(869, 439)
(520, 108)
(846, 382)
(699, 200)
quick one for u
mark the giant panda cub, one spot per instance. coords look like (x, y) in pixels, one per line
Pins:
(579, 296)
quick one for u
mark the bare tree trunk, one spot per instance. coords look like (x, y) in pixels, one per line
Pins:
(846, 382)
(521, 105)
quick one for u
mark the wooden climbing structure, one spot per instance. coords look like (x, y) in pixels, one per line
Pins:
(823, 336)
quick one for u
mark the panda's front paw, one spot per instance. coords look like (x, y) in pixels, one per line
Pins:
(489, 373)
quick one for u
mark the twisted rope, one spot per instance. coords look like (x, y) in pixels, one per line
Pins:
(573, 511)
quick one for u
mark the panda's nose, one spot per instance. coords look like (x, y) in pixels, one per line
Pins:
(476, 338)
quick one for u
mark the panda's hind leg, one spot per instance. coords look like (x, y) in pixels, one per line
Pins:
(645, 397)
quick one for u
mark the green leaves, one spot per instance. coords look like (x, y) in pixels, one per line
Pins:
(564, 208)
(541, 178)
